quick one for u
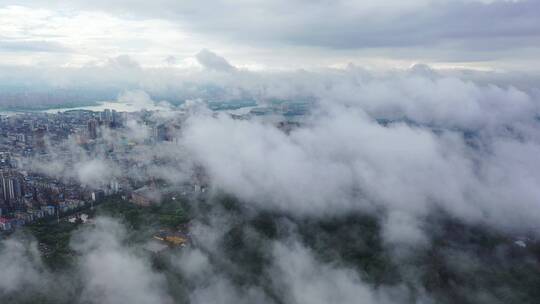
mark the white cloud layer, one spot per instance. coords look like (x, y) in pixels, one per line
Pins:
(466, 149)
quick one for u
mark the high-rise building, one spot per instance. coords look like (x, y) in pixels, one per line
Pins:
(161, 133)
(5, 159)
(116, 119)
(92, 129)
(39, 137)
(108, 115)
(10, 188)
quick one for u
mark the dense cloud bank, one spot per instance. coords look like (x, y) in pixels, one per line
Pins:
(445, 144)
(398, 187)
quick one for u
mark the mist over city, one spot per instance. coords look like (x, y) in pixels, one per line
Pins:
(212, 151)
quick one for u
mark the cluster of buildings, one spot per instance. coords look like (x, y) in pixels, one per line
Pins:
(20, 218)
(29, 133)
(26, 197)
(28, 194)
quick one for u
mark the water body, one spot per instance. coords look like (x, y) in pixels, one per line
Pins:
(125, 107)
(114, 105)
(99, 107)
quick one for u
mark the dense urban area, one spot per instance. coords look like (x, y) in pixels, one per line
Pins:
(30, 140)
(27, 195)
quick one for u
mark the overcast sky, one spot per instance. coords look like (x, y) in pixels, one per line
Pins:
(260, 34)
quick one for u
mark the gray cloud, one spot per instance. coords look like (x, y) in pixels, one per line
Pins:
(212, 61)
(445, 30)
(21, 264)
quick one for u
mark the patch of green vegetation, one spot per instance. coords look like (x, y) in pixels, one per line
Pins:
(465, 260)
(356, 241)
(168, 214)
(53, 241)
